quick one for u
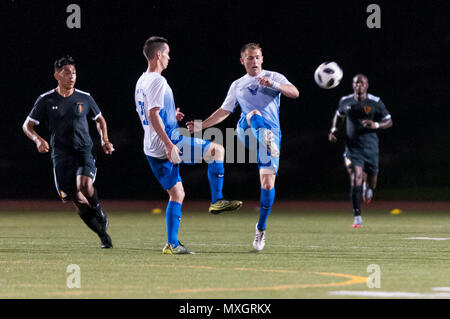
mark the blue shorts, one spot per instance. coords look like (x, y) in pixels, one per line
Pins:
(248, 137)
(167, 173)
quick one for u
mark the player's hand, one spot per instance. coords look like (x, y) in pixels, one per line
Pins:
(179, 115)
(173, 154)
(108, 147)
(265, 81)
(368, 124)
(42, 145)
(332, 138)
(194, 126)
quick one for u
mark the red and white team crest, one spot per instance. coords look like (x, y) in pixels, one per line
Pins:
(367, 109)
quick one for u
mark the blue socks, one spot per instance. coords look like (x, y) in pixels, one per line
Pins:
(267, 199)
(215, 177)
(173, 218)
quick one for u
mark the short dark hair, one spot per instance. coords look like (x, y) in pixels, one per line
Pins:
(152, 45)
(362, 76)
(254, 46)
(67, 60)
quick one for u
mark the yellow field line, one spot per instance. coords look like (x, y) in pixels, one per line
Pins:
(212, 268)
(353, 280)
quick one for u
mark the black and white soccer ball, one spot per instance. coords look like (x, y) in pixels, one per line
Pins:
(328, 75)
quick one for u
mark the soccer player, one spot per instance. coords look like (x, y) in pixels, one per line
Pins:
(258, 94)
(364, 115)
(165, 148)
(65, 109)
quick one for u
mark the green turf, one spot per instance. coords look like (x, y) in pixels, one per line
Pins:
(37, 247)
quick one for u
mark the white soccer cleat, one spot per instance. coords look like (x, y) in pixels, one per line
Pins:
(260, 239)
(357, 222)
(368, 195)
(269, 140)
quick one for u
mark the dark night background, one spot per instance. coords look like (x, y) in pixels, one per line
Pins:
(406, 61)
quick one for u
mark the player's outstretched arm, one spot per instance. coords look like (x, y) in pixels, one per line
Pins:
(218, 116)
(287, 90)
(102, 129)
(41, 144)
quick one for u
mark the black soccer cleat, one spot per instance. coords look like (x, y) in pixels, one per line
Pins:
(106, 241)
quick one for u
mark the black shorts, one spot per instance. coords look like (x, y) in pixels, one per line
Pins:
(367, 159)
(67, 166)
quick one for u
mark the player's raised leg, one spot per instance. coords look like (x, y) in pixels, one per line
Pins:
(215, 157)
(371, 184)
(264, 134)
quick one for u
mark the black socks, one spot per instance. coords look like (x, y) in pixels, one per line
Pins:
(356, 197)
(93, 200)
(95, 219)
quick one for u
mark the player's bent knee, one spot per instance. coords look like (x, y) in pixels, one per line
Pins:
(267, 179)
(177, 197)
(84, 188)
(176, 194)
(85, 185)
(80, 199)
(215, 152)
(219, 151)
(250, 114)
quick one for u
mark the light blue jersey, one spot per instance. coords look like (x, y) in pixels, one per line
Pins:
(249, 95)
(152, 90)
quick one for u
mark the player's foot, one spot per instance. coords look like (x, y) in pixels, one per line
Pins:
(106, 241)
(224, 205)
(368, 195)
(357, 222)
(180, 249)
(260, 239)
(269, 140)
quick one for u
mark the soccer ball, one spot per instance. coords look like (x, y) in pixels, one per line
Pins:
(328, 75)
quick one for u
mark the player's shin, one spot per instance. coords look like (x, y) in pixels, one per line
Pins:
(93, 200)
(95, 221)
(216, 172)
(173, 219)
(356, 198)
(267, 199)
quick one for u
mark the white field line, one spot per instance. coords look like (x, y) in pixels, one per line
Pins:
(428, 238)
(389, 294)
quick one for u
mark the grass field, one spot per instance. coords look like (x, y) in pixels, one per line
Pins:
(308, 254)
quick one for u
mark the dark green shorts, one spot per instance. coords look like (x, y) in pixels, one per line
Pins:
(66, 168)
(367, 159)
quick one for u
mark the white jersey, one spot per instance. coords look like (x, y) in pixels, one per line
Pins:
(249, 95)
(152, 90)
